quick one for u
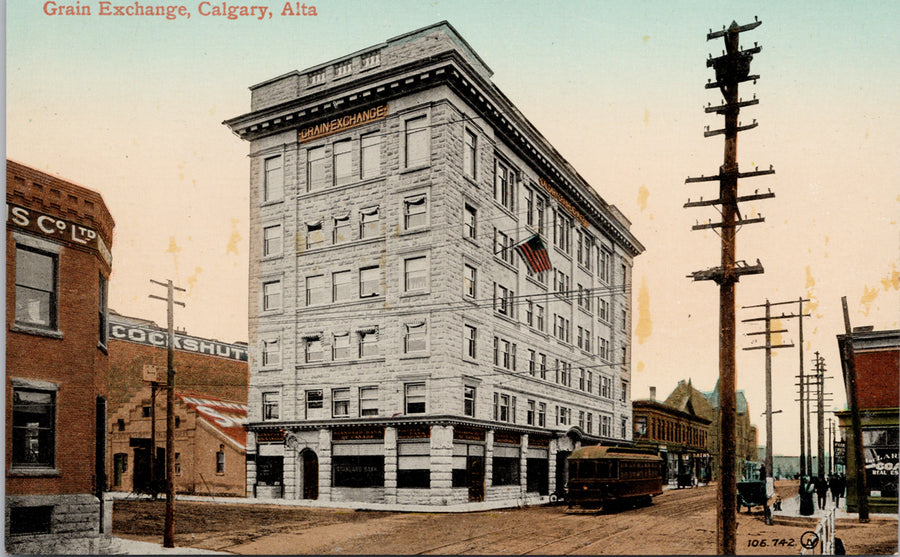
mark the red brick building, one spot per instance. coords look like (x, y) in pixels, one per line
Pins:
(58, 263)
(210, 442)
(877, 362)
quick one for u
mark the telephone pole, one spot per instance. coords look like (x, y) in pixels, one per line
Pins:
(169, 532)
(768, 348)
(732, 68)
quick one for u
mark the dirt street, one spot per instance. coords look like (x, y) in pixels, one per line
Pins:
(678, 522)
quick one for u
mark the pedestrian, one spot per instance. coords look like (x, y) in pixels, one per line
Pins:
(821, 491)
(836, 491)
(806, 496)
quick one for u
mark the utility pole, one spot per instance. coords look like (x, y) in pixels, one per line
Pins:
(732, 68)
(169, 533)
(849, 361)
(820, 409)
(831, 445)
(768, 348)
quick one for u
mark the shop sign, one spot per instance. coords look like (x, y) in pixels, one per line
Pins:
(508, 437)
(414, 432)
(840, 452)
(155, 337)
(538, 441)
(882, 461)
(564, 202)
(468, 434)
(344, 123)
(57, 229)
(271, 436)
(357, 433)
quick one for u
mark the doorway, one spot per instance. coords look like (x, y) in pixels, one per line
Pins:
(310, 474)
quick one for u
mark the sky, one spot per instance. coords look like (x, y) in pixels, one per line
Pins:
(132, 107)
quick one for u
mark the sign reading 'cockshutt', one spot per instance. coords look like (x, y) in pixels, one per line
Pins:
(56, 228)
(185, 343)
(344, 123)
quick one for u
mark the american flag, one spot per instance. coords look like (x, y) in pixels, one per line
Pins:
(534, 252)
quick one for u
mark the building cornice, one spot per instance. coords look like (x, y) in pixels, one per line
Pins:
(453, 70)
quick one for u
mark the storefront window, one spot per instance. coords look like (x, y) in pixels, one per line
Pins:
(882, 463)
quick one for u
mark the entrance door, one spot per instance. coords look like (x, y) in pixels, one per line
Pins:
(310, 474)
(562, 471)
(475, 475)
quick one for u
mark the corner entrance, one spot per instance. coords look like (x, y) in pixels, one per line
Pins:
(475, 477)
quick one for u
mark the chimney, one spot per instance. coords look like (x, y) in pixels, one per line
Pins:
(652, 393)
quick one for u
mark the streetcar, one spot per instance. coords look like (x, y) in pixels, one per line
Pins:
(606, 476)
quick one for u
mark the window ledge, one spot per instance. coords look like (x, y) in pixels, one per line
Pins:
(31, 330)
(33, 471)
(414, 356)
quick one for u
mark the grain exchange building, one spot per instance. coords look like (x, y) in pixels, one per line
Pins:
(402, 350)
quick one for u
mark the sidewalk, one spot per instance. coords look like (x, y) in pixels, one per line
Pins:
(121, 546)
(791, 508)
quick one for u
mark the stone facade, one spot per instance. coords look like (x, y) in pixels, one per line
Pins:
(58, 237)
(400, 349)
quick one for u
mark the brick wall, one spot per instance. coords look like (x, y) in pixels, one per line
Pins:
(877, 383)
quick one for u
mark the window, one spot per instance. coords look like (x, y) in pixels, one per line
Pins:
(590, 381)
(33, 427)
(605, 387)
(415, 274)
(530, 413)
(640, 426)
(315, 169)
(539, 316)
(414, 212)
(605, 265)
(582, 378)
(369, 282)
(581, 419)
(270, 405)
(370, 155)
(540, 210)
(605, 425)
(590, 422)
(313, 349)
(316, 291)
(564, 232)
(471, 338)
(273, 179)
(368, 401)
(542, 414)
(220, 460)
(470, 220)
(623, 391)
(272, 240)
(623, 428)
(368, 223)
(340, 403)
(314, 236)
(271, 352)
(469, 401)
(103, 331)
(341, 286)
(588, 250)
(503, 300)
(415, 339)
(542, 366)
(36, 288)
(604, 348)
(343, 169)
(469, 154)
(504, 185)
(341, 229)
(368, 343)
(502, 247)
(624, 321)
(414, 398)
(604, 310)
(271, 295)
(504, 408)
(314, 399)
(470, 276)
(532, 362)
(417, 140)
(341, 349)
